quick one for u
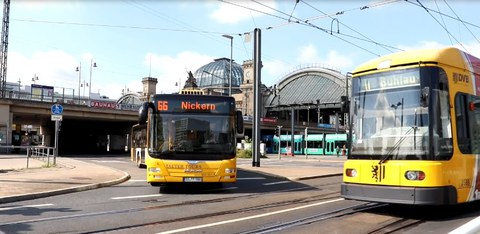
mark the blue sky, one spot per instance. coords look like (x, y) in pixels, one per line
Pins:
(132, 39)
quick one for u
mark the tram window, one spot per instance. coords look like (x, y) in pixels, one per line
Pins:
(474, 125)
(462, 123)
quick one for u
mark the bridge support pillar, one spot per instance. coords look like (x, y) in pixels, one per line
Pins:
(5, 127)
(47, 135)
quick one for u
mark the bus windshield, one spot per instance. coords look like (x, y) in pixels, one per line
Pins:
(398, 115)
(192, 136)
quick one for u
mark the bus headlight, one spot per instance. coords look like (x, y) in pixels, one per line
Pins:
(154, 169)
(351, 172)
(415, 175)
(229, 170)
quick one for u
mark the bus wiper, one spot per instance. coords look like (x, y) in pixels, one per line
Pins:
(397, 144)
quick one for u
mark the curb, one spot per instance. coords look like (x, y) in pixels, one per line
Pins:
(29, 196)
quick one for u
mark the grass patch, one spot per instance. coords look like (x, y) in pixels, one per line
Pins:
(48, 165)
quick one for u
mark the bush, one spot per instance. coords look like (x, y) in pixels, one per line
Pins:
(244, 153)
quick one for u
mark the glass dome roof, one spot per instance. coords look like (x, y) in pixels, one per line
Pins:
(217, 74)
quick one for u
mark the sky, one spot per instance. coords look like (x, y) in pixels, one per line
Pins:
(132, 39)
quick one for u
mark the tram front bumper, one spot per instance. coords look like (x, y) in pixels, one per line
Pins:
(400, 195)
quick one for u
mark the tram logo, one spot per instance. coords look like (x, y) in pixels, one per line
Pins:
(378, 172)
(460, 78)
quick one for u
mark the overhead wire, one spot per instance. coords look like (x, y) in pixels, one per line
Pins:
(365, 7)
(444, 28)
(293, 10)
(443, 21)
(118, 26)
(440, 13)
(302, 22)
(463, 22)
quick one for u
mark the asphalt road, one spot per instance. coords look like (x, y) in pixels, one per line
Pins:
(255, 204)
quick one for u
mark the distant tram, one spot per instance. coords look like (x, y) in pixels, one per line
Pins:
(312, 144)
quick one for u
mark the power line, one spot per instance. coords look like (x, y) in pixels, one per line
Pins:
(440, 13)
(444, 28)
(306, 23)
(463, 22)
(120, 26)
(368, 39)
(443, 21)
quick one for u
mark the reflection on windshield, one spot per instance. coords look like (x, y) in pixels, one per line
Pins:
(391, 120)
(390, 116)
(192, 134)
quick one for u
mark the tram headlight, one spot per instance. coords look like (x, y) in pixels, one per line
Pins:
(415, 175)
(350, 172)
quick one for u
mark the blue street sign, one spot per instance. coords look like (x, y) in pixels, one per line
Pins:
(57, 109)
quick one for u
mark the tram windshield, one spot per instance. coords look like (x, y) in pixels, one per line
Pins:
(401, 115)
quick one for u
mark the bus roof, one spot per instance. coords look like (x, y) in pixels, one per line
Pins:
(447, 56)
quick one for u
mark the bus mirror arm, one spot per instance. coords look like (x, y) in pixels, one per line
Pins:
(143, 112)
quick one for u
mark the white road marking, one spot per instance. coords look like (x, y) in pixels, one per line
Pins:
(251, 178)
(108, 161)
(471, 227)
(249, 217)
(130, 180)
(279, 182)
(26, 206)
(138, 196)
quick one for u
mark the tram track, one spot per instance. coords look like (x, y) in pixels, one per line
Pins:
(252, 209)
(397, 225)
(315, 218)
(324, 194)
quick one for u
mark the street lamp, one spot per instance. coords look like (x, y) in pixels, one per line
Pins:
(179, 84)
(34, 78)
(19, 84)
(231, 55)
(92, 65)
(395, 106)
(79, 70)
(83, 85)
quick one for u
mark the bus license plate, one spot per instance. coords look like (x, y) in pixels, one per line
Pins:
(192, 179)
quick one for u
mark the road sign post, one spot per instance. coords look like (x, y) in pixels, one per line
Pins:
(57, 111)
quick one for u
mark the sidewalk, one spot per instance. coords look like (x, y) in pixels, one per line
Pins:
(17, 182)
(296, 168)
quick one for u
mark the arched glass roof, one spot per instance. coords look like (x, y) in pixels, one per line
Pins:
(217, 74)
(130, 98)
(306, 86)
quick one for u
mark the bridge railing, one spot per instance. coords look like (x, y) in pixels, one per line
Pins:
(63, 97)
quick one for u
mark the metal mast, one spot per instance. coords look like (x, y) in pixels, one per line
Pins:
(3, 69)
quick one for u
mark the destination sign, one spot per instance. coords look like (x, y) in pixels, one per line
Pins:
(389, 80)
(211, 105)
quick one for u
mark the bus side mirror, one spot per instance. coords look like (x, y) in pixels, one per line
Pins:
(239, 124)
(143, 112)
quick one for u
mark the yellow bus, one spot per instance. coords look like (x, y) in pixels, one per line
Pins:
(415, 121)
(138, 144)
(191, 138)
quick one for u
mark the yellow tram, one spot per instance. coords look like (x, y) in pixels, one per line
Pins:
(415, 121)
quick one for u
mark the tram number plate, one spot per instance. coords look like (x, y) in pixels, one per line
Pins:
(192, 179)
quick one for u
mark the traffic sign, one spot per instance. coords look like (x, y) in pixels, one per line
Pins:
(57, 117)
(57, 109)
